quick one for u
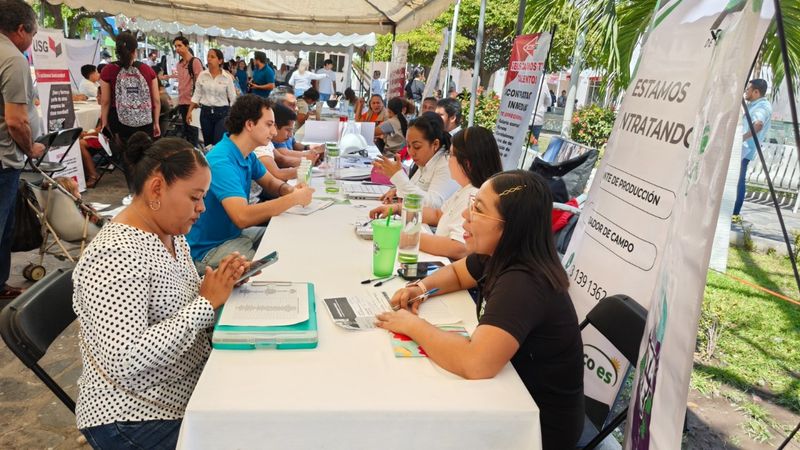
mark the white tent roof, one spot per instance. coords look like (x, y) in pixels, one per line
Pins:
(296, 16)
(252, 38)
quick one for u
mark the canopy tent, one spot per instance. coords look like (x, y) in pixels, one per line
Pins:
(255, 39)
(318, 16)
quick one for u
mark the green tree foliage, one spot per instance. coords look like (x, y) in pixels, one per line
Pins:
(592, 125)
(78, 22)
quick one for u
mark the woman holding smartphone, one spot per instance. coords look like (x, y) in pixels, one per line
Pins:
(525, 314)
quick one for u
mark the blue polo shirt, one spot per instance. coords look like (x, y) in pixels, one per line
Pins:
(760, 110)
(288, 144)
(231, 175)
(263, 76)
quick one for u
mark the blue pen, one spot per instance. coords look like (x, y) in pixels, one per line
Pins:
(420, 297)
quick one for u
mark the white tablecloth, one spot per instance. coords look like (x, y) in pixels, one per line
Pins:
(87, 114)
(351, 392)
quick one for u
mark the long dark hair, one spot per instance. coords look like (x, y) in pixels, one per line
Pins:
(477, 152)
(126, 48)
(396, 105)
(432, 127)
(173, 157)
(526, 206)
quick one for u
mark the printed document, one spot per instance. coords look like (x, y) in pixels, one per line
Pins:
(266, 304)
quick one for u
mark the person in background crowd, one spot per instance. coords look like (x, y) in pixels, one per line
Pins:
(90, 82)
(355, 104)
(376, 112)
(301, 78)
(327, 85)
(144, 312)
(280, 75)
(284, 95)
(416, 86)
(123, 107)
(428, 105)
(409, 108)
(450, 111)
(474, 158)
(428, 146)
(390, 135)
(214, 94)
(287, 153)
(291, 72)
(378, 85)
(761, 114)
(263, 80)
(525, 314)
(552, 101)
(19, 124)
(229, 223)
(88, 140)
(562, 99)
(241, 76)
(187, 70)
(545, 101)
(307, 99)
(152, 58)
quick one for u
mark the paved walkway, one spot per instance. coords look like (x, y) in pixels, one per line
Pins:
(766, 229)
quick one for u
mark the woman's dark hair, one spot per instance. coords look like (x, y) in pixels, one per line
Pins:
(219, 55)
(311, 94)
(283, 115)
(396, 105)
(246, 107)
(432, 128)
(126, 48)
(379, 98)
(16, 13)
(173, 157)
(182, 40)
(350, 95)
(526, 205)
(477, 152)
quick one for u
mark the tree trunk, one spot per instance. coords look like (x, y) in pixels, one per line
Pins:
(55, 12)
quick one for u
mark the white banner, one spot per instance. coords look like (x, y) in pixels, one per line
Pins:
(55, 94)
(648, 225)
(397, 71)
(525, 75)
(79, 53)
(433, 77)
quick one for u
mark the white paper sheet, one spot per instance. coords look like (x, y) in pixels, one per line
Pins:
(358, 311)
(314, 206)
(266, 305)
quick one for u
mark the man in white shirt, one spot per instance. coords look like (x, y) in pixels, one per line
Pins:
(377, 84)
(449, 109)
(545, 101)
(327, 85)
(89, 85)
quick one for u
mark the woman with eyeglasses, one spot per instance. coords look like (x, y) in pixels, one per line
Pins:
(525, 314)
(474, 157)
(429, 177)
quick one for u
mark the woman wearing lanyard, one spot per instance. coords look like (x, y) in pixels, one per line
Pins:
(214, 93)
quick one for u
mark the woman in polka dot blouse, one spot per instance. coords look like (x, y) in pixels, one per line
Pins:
(143, 310)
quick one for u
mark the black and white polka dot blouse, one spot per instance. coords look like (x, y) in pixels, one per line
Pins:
(143, 325)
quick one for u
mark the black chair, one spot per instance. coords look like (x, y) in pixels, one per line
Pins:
(32, 321)
(567, 179)
(621, 320)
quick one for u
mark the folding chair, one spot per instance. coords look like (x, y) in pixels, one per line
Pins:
(32, 321)
(621, 320)
(572, 174)
(60, 138)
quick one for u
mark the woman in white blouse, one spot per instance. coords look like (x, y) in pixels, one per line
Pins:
(428, 145)
(214, 92)
(474, 158)
(301, 78)
(143, 310)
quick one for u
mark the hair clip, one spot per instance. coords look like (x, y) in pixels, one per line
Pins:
(512, 190)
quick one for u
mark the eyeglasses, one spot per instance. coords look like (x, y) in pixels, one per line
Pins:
(472, 211)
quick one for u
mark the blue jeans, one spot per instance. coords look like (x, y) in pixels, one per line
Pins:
(324, 97)
(741, 188)
(246, 244)
(149, 434)
(212, 123)
(9, 184)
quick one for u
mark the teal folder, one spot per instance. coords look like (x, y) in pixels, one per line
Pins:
(299, 335)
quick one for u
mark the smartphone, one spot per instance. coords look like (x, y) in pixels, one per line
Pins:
(258, 265)
(418, 271)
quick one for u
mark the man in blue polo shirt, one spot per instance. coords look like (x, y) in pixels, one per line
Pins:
(263, 81)
(761, 114)
(229, 223)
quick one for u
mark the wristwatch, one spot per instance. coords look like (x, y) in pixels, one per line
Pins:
(306, 147)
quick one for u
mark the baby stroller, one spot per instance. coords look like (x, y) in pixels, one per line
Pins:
(67, 224)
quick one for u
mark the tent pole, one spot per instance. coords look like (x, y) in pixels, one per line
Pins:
(520, 17)
(348, 68)
(446, 90)
(476, 69)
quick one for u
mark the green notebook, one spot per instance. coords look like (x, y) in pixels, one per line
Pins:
(299, 335)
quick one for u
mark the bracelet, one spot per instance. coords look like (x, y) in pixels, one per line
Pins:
(419, 284)
(306, 147)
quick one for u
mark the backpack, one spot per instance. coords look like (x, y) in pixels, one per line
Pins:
(190, 68)
(132, 97)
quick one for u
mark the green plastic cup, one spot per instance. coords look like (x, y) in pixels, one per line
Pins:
(385, 239)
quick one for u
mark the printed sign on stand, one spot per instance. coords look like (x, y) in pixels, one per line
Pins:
(397, 71)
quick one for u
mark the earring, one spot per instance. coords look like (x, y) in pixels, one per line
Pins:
(155, 205)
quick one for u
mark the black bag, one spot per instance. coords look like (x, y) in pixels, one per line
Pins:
(27, 228)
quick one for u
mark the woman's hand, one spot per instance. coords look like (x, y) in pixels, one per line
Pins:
(402, 296)
(382, 211)
(218, 283)
(156, 129)
(400, 321)
(388, 166)
(390, 196)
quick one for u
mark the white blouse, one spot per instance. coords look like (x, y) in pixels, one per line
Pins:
(303, 80)
(142, 336)
(451, 223)
(432, 182)
(214, 91)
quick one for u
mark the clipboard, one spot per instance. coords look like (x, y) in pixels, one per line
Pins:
(301, 335)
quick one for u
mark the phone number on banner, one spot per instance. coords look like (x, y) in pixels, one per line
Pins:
(582, 279)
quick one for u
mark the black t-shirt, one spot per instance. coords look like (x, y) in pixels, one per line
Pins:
(550, 356)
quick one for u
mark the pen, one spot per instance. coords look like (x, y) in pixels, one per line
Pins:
(422, 296)
(380, 283)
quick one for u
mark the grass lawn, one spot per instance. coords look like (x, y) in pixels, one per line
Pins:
(749, 339)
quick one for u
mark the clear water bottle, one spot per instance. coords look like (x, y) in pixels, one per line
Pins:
(411, 218)
(332, 168)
